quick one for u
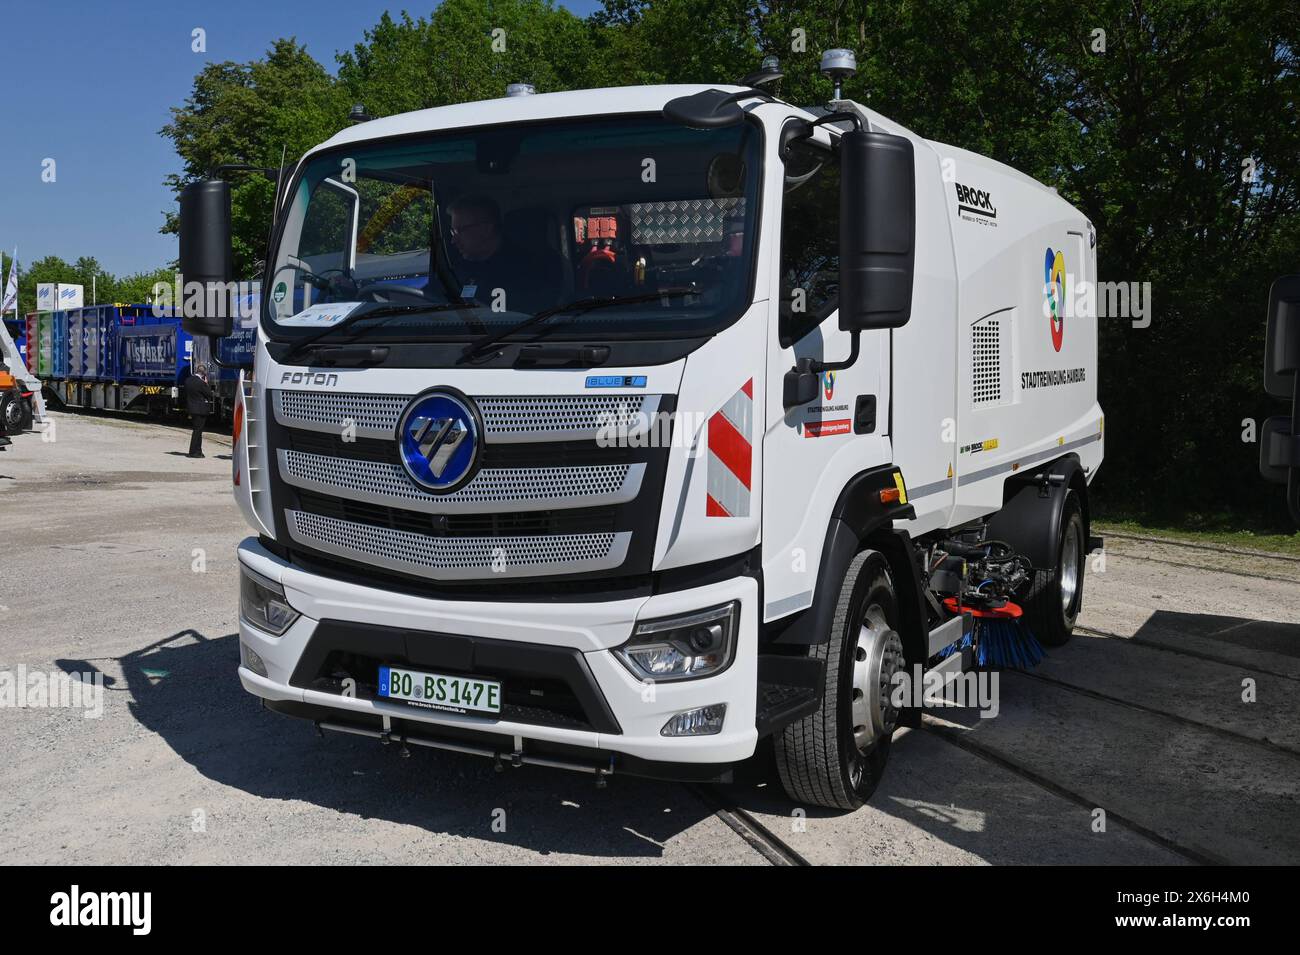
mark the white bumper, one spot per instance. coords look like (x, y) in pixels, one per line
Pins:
(594, 628)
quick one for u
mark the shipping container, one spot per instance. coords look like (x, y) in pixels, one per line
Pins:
(59, 344)
(153, 351)
(39, 332)
(92, 333)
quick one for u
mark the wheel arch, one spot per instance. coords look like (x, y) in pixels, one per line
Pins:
(860, 521)
(1030, 517)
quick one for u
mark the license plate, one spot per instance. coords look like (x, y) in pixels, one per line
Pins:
(437, 691)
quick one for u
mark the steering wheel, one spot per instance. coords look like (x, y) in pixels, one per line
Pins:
(316, 280)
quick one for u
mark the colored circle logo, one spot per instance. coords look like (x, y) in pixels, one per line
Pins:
(828, 384)
(438, 439)
(1054, 286)
(281, 290)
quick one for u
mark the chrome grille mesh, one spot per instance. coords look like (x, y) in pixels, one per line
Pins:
(505, 419)
(523, 489)
(371, 477)
(459, 558)
(551, 418)
(372, 415)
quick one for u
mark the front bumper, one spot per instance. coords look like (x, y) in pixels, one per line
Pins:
(589, 630)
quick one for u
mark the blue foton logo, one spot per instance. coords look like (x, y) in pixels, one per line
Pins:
(438, 439)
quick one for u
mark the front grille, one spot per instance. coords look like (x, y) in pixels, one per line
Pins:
(558, 417)
(584, 454)
(459, 558)
(383, 482)
(505, 419)
(547, 501)
(372, 415)
(491, 524)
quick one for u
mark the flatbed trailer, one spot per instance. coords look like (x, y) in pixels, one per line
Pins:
(127, 357)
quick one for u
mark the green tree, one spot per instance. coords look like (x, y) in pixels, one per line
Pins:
(257, 113)
(138, 287)
(478, 49)
(1150, 137)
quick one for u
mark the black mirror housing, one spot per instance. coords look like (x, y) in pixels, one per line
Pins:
(800, 385)
(206, 257)
(877, 230)
(1279, 449)
(1279, 443)
(708, 109)
(1282, 338)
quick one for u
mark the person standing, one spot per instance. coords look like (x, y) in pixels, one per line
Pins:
(197, 397)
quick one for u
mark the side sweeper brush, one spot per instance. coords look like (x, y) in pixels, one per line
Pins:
(999, 636)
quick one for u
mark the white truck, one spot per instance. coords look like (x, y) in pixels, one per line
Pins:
(618, 429)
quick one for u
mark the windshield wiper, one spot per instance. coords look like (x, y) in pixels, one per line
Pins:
(480, 345)
(381, 312)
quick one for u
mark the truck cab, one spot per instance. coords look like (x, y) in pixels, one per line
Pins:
(618, 429)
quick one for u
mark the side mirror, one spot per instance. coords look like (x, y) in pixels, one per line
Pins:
(1279, 444)
(206, 257)
(800, 385)
(877, 230)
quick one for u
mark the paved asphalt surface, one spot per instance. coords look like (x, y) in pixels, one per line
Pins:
(1174, 711)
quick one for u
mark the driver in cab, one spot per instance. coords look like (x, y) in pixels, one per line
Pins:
(529, 279)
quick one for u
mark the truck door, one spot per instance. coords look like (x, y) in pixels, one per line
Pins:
(810, 451)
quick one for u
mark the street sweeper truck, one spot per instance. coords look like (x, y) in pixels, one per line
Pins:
(617, 430)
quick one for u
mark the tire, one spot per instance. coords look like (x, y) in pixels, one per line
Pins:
(29, 413)
(820, 758)
(1056, 595)
(11, 413)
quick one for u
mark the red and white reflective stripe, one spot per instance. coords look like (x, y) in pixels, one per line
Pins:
(731, 456)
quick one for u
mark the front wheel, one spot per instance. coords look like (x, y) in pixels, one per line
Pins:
(836, 756)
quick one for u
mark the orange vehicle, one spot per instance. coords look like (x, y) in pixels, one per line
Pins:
(15, 407)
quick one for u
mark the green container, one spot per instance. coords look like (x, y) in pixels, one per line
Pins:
(44, 344)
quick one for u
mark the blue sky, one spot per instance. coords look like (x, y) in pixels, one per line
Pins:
(89, 84)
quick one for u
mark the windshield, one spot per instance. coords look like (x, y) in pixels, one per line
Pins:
(511, 220)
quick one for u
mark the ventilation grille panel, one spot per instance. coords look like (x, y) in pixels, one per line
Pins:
(986, 361)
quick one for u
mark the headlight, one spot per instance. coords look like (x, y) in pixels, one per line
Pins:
(262, 603)
(681, 648)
